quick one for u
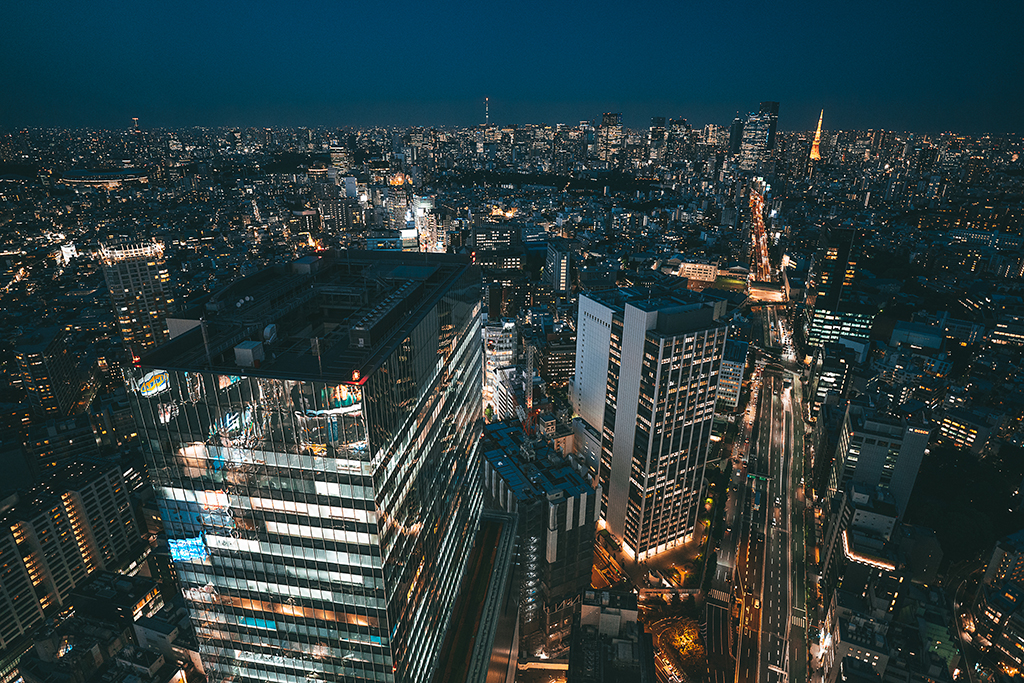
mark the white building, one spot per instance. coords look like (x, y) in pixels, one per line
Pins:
(500, 340)
(647, 368)
(730, 378)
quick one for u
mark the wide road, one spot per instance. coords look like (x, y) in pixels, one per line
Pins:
(769, 578)
(748, 579)
(774, 655)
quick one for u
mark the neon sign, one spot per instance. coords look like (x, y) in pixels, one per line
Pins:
(188, 549)
(156, 382)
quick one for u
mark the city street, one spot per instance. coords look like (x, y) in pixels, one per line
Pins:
(770, 553)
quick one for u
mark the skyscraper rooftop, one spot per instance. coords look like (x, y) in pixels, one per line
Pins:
(339, 314)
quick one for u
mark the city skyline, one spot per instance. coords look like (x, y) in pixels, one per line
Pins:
(630, 397)
(922, 68)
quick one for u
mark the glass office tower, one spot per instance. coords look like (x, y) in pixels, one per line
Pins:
(313, 445)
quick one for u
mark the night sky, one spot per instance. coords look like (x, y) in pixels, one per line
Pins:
(920, 66)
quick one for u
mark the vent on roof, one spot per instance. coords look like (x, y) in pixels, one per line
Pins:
(249, 354)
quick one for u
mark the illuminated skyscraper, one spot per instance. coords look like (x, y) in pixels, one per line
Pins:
(140, 290)
(558, 266)
(836, 313)
(48, 372)
(609, 138)
(815, 151)
(679, 140)
(646, 381)
(758, 136)
(54, 536)
(314, 453)
(836, 269)
(736, 135)
(657, 139)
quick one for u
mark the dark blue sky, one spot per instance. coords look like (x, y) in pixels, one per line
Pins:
(923, 66)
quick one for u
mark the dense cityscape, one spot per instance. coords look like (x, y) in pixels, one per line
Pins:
(600, 401)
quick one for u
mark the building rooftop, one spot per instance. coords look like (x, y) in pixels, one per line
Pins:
(24, 505)
(679, 311)
(863, 632)
(38, 340)
(111, 586)
(531, 469)
(338, 314)
(610, 599)
(735, 351)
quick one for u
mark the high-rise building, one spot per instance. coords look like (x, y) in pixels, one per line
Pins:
(1007, 561)
(851, 322)
(657, 139)
(500, 341)
(879, 450)
(771, 110)
(831, 371)
(399, 194)
(557, 267)
(56, 442)
(836, 313)
(730, 378)
(48, 372)
(557, 512)
(647, 366)
(336, 215)
(679, 140)
(314, 453)
(758, 138)
(491, 235)
(856, 514)
(52, 537)
(836, 269)
(609, 138)
(139, 287)
(736, 135)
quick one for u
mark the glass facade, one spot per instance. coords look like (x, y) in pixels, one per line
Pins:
(320, 526)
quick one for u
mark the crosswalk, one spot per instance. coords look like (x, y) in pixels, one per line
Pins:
(720, 596)
(798, 621)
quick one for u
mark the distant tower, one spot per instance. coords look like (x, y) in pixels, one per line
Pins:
(736, 135)
(135, 120)
(815, 154)
(609, 138)
(487, 111)
(771, 111)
